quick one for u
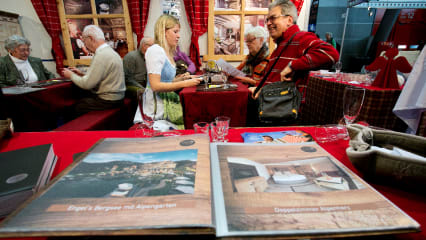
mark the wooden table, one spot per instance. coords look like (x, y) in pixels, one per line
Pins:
(204, 106)
(323, 104)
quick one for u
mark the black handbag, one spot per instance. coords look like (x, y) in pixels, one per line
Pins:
(278, 102)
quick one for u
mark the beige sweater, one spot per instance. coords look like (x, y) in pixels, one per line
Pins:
(105, 76)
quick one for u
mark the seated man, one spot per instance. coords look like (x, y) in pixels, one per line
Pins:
(104, 78)
(135, 67)
(18, 67)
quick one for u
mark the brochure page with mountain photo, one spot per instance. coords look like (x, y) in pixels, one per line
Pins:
(124, 187)
(295, 190)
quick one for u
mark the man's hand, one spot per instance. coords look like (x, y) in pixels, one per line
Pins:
(286, 74)
(251, 89)
(66, 73)
(76, 71)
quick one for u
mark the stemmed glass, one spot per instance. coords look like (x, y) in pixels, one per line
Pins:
(353, 98)
(225, 80)
(205, 75)
(146, 126)
(338, 67)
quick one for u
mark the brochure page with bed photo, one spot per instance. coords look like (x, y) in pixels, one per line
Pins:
(295, 190)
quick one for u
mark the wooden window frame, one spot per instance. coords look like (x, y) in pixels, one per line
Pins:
(210, 35)
(94, 16)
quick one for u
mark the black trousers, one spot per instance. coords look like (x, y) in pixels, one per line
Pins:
(94, 103)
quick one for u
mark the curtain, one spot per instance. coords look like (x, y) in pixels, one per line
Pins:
(47, 11)
(298, 4)
(197, 12)
(138, 11)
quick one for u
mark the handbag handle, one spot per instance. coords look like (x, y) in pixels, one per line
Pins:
(272, 67)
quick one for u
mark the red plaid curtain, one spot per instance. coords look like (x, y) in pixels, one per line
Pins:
(47, 11)
(138, 10)
(197, 12)
(298, 4)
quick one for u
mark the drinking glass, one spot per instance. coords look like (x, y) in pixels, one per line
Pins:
(353, 98)
(222, 127)
(213, 132)
(144, 128)
(338, 67)
(201, 127)
(225, 80)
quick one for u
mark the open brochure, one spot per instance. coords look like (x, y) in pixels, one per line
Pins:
(228, 68)
(162, 185)
(287, 136)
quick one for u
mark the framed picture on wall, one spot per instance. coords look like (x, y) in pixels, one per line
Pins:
(109, 7)
(75, 29)
(112, 16)
(228, 20)
(77, 7)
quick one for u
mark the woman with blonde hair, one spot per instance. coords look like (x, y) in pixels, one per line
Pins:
(160, 100)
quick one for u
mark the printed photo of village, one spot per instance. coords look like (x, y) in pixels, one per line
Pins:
(304, 175)
(121, 175)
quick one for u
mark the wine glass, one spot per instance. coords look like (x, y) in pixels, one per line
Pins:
(338, 66)
(353, 98)
(145, 127)
(225, 80)
(205, 76)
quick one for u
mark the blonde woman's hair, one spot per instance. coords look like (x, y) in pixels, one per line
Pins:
(165, 22)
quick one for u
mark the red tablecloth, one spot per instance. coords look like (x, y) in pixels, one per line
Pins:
(41, 110)
(204, 106)
(66, 144)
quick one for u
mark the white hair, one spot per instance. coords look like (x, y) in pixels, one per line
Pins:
(257, 32)
(94, 31)
(287, 8)
(144, 40)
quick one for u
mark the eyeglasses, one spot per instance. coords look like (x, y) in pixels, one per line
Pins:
(22, 50)
(273, 18)
(250, 40)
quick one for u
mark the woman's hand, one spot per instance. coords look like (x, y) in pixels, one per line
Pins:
(192, 82)
(182, 77)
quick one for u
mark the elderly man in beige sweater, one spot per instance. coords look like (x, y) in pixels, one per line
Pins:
(104, 78)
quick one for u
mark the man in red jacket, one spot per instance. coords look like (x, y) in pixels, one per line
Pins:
(305, 52)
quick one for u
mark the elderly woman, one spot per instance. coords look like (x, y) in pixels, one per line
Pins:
(257, 59)
(160, 100)
(18, 67)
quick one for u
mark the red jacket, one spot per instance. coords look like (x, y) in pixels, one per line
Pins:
(306, 51)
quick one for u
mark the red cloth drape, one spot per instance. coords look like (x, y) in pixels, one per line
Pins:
(47, 11)
(298, 4)
(138, 11)
(197, 12)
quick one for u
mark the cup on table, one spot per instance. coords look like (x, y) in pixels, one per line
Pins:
(201, 127)
(331, 133)
(321, 134)
(213, 132)
(222, 127)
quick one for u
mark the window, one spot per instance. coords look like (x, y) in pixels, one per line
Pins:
(228, 20)
(112, 16)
